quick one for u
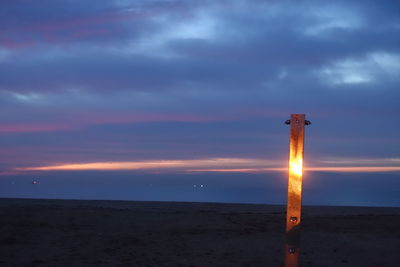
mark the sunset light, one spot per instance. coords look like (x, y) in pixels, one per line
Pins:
(170, 132)
(198, 89)
(296, 166)
(221, 165)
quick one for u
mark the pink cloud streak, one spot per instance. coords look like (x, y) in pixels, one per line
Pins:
(83, 120)
(30, 128)
(72, 29)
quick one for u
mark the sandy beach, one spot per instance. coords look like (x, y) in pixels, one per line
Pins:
(129, 233)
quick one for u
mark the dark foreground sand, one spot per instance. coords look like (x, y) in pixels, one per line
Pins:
(122, 233)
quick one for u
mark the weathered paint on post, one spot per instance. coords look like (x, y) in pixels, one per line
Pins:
(293, 216)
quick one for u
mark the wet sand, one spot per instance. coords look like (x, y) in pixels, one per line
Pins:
(131, 233)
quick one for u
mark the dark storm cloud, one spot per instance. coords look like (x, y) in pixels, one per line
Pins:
(227, 49)
(29, 23)
(121, 80)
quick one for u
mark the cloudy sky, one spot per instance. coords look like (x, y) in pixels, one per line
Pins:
(172, 94)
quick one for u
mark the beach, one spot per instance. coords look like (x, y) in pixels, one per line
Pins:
(37, 232)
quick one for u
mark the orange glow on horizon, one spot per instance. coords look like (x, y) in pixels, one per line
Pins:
(310, 169)
(355, 169)
(242, 165)
(199, 164)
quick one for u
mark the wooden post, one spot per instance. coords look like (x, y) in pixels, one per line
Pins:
(293, 215)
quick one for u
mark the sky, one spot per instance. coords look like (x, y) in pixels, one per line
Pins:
(186, 100)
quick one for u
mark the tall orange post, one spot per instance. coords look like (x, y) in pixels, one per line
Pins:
(293, 215)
